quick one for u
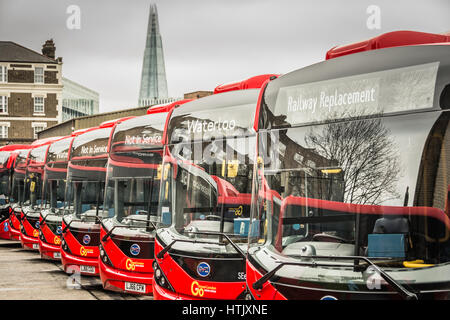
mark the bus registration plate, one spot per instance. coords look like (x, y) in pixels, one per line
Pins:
(135, 287)
(87, 269)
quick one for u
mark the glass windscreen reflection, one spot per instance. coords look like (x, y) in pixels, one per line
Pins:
(207, 187)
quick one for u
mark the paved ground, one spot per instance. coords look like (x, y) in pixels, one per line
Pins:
(25, 276)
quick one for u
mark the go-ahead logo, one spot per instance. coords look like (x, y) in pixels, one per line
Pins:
(84, 252)
(199, 290)
(131, 265)
(135, 249)
(203, 269)
(57, 240)
(86, 239)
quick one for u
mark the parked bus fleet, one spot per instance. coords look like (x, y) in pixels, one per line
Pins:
(326, 183)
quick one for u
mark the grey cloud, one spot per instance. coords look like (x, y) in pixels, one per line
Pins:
(206, 42)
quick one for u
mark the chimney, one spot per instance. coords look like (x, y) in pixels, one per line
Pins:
(48, 49)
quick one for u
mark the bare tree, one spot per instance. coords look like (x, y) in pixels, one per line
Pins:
(367, 155)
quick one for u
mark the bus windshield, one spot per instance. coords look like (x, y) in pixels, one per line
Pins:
(17, 188)
(350, 188)
(132, 194)
(211, 193)
(84, 197)
(4, 187)
(53, 193)
(33, 189)
(133, 176)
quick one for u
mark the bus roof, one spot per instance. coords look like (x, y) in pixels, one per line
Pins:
(12, 147)
(165, 107)
(4, 158)
(111, 123)
(373, 79)
(255, 82)
(38, 155)
(43, 141)
(21, 160)
(388, 40)
(143, 132)
(218, 115)
(91, 144)
(80, 131)
(59, 150)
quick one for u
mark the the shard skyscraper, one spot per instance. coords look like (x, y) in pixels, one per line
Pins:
(153, 78)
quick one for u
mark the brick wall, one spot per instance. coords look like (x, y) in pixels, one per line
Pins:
(21, 76)
(22, 105)
(51, 77)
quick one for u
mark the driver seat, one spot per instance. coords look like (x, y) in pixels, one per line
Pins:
(389, 238)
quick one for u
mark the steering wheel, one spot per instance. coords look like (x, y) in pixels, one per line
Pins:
(328, 238)
(212, 217)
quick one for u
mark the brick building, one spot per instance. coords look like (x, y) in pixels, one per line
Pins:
(30, 91)
(197, 94)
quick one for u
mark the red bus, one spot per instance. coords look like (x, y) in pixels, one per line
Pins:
(205, 196)
(32, 194)
(7, 157)
(132, 189)
(53, 189)
(83, 204)
(17, 188)
(351, 185)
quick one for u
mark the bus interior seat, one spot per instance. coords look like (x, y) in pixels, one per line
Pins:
(388, 238)
(391, 225)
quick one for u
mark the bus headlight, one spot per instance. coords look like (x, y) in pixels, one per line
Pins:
(160, 278)
(64, 246)
(104, 256)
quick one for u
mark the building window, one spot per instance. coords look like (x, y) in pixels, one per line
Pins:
(39, 75)
(3, 74)
(3, 104)
(39, 105)
(37, 127)
(4, 126)
(36, 130)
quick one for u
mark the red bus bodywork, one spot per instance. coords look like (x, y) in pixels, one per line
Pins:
(116, 265)
(50, 237)
(179, 278)
(30, 225)
(6, 168)
(284, 288)
(78, 254)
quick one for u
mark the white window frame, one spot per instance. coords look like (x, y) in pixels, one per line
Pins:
(4, 127)
(39, 78)
(4, 102)
(38, 112)
(40, 125)
(3, 73)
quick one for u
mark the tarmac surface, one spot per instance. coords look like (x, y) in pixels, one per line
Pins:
(25, 276)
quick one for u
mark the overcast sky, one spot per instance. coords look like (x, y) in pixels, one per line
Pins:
(206, 42)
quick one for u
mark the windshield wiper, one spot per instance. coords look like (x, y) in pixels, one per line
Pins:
(45, 218)
(404, 293)
(108, 234)
(68, 225)
(97, 219)
(167, 248)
